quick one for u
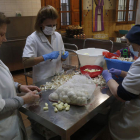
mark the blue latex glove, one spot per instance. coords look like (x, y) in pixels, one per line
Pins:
(52, 55)
(107, 76)
(65, 55)
(115, 71)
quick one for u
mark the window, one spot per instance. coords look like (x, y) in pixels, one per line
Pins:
(65, 13)
(126, 11)
(68, 11)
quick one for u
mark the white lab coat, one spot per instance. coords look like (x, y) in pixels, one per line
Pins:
(125, 125)
(37, 45)
(10, 123)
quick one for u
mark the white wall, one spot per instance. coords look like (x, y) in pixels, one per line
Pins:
(108, 4)
(26, 7)
(86, 4)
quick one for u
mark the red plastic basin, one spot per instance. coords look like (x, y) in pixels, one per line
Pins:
(90, 67)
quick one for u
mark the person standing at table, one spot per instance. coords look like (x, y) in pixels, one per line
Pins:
(11, 125)
(44, 48)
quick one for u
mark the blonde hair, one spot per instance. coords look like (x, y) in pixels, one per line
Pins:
(47, 12)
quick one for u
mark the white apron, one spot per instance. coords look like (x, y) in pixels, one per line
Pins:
(126, 124)
(10, 123)
(37, 45)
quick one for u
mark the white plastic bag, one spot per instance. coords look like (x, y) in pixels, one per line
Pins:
(77, 91)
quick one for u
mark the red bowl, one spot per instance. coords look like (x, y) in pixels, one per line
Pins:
(91, 74)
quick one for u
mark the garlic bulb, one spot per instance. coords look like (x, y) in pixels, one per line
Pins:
(76, 91)
(54, 96)
(126, 59)
(67, 100)
(83, 100)
(73, 97)
(79, 100)
(100, 81)
(70, 93)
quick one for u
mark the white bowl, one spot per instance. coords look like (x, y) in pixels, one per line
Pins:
(91, 56)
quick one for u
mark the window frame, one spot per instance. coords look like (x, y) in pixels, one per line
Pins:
(70, 14)
(127, 11)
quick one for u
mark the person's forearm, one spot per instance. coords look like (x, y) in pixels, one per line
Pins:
(123, 73)
(31, 61)
(39, 59)
(113, 86)
(12, 104)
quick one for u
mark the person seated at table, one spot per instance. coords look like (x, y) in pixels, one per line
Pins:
(44, 48)
(128, 51)
(125, 125)
(11, 125)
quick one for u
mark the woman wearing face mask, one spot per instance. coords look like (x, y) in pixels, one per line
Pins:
(125, 125)
(44, 48)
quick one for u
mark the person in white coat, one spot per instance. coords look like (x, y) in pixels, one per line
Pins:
(125, 125)
(44, 49)
(11, 125)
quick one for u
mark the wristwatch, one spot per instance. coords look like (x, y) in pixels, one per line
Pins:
(18, 89)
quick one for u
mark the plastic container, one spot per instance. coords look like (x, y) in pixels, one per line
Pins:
(118, 64)
(91, 56)
(90, 67)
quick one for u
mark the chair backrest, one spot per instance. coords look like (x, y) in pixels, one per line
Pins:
(70, 46)
(97, 43)
(123, 32)
(73, 59)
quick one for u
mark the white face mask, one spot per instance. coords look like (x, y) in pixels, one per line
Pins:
(136, 53)
(49, 30)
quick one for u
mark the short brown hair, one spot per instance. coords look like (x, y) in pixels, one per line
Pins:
(47, 12)
(3, 19)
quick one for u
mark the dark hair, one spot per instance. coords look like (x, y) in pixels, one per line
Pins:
(3, 19)
(134, 34)
(47, 12)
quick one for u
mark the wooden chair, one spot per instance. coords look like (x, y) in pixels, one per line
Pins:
(27, 73)
(72, 60)
(123, 32)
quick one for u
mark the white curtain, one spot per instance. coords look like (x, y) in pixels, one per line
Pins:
(121, 6)
(131, 7)
(99, 20)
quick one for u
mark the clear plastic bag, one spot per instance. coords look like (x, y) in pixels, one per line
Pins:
(77, 91)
